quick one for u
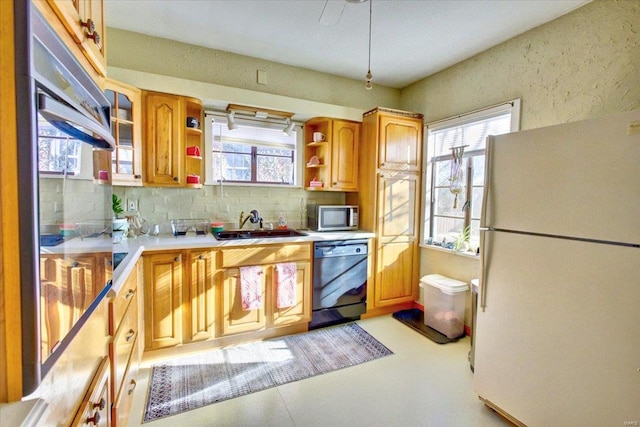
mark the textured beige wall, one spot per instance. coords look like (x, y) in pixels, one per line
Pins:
(581, 65)
(217, 78)
(155, 55)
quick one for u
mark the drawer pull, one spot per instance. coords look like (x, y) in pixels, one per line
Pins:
(132, 386)
(95, 420)
(100, 405)
(130, 335)
(130, 293)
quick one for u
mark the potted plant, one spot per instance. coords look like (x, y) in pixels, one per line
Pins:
(119, 224)
(462, 241)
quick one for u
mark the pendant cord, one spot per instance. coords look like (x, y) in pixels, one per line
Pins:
(370, 7)
(368, 77)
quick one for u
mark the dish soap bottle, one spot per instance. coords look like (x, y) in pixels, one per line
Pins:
(282, 221)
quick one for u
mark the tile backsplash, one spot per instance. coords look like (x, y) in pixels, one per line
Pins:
(160, 205)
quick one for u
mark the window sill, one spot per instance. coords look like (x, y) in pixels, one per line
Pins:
(471, 255)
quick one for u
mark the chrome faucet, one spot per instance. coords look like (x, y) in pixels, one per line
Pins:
(253, 216)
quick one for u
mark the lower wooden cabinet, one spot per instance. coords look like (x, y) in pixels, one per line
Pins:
(234, 318)
(194, 295)
(163, 299)
(95, 410)
(199, 296)
(124, 354)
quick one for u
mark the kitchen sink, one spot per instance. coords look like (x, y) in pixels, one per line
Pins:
(256, 234)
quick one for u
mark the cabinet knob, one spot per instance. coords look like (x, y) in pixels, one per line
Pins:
(89, 25)
(74, 264)
(201, 257)
(130, 335)
(95, 420)
(176, 259)
(100, 405)
(95, 36)
(130, 293)
(175, 178)
(137, 176)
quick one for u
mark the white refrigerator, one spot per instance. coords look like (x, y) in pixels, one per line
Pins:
(557, 340)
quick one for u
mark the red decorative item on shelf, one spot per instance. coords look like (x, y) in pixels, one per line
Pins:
(193, 151)
(193, 179)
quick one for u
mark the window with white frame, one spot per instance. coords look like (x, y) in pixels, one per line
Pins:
(452, 212)
(255, 152)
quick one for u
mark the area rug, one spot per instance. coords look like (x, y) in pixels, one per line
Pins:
(201, 379)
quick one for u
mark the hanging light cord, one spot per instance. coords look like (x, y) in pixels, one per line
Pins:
(368, 77)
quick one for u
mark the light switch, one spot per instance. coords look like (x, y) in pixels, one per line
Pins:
(262, 77)
(633, 128)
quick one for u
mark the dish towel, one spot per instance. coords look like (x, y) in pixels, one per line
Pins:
(286, 280)
(250, 287)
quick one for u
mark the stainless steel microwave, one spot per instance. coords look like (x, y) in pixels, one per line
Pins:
(332, 217)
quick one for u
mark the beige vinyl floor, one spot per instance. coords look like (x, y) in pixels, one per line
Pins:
(422, 384)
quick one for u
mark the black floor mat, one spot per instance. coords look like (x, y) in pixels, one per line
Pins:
(414, 318)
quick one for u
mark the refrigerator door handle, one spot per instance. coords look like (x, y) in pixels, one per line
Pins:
(484, 256)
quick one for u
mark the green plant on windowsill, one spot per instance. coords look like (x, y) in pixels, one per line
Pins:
(462, 241)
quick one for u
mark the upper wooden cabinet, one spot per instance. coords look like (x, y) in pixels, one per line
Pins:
(400, 142)
(337, 154)
(84, 20)
(172, 150)
(126, 127)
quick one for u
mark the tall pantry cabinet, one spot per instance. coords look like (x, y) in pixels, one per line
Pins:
(389, 201)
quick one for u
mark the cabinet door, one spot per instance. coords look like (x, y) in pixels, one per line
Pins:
(163, 299)
(396, 268)
(163, 147)
(395, 281)
(234, 318)
(400, 142)
(199, 320)
(301, 310)
(345, 141)
(126, 127)
(84, 20)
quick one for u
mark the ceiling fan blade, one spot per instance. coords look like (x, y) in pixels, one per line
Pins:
(332, 12)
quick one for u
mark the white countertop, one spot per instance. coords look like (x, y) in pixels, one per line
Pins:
(134, 247)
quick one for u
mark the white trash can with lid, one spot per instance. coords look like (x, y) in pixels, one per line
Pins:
(444, 301)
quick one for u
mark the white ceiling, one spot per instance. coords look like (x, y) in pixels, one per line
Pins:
(411, 39)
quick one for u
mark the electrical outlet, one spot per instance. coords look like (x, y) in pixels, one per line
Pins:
(132, 205)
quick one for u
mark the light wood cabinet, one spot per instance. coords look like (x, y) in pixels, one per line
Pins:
(163, 299)
(389, 201)
(95, 409)
(194, 295)
(234, 319)
(125, 161)
(337, 154)
(172, 150)
(300, 312)
(85, 21)
(400, 142)
(124, 328)
(200, 298)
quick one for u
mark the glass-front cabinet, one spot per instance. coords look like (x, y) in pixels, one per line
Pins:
(126, 128)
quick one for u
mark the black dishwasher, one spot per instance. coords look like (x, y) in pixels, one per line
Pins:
(339, 282)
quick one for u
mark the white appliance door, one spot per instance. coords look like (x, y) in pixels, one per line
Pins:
(558, 343)
(580, 179)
